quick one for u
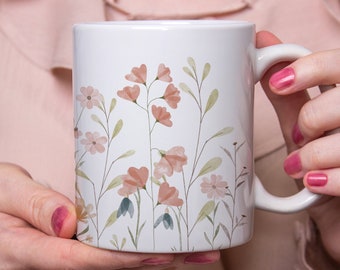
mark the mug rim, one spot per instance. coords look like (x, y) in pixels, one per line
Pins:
(165, 24)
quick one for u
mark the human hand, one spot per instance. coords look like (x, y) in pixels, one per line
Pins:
(36, 224)
(309, 129)
(314, 152)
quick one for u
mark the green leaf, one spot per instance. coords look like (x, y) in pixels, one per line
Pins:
(113, 104)
(206, 210)
(210, 166)
(189, 72)
(240, 184)
(206, 71)
(222, 132)
(216, 232)
(211, 100)
(226, 231)
(118, 128)
(123, 243)
(115, 183)
(141, 228)
(186, 89)
(228, 153)
(112, 219)
(192, 63)
(207, 239)
(83, 231)
(227, 207)
(127, 154)
(239, 147)
(155, 181)
(81, 174)
(132, 238)
(115, 238)
(101, 105)
(97, 120)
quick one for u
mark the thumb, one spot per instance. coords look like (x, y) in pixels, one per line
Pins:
(286, 107)
(43, 208)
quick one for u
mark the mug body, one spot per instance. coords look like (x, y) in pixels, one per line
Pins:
(163, 130)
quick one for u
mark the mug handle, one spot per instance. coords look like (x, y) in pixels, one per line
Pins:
(265, 58)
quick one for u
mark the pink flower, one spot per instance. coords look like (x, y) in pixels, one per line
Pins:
(129, 93)
(90, 97)
(162, 115)
(172, 160)
(94, 143)
(136, 178)
(137, 75)
(168, 195)
(171, 96)
(77, 133)
(163, 73)
(214, 188)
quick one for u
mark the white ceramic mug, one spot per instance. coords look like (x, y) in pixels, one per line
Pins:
(164, 134)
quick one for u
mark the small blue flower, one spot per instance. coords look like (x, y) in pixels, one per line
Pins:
(125, 206)
(167, 221)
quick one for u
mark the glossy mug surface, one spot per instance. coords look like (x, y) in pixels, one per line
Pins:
(164, 134)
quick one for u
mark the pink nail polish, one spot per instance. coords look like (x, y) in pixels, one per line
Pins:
(283, 78)
(197, 259)
(297, 135)
(58, 218)
(292, 164)
(317, 179)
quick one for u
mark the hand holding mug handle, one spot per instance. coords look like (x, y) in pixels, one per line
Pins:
(266, 58)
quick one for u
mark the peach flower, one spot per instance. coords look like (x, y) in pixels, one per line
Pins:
(168, 195)
(129, 93)
(171, 96)
(138, 74)
(214, 188)
(89, 97)
(94, 142)
(162, 115)
(136, 178)
(163, 73)
(172, 160)
(84, 212)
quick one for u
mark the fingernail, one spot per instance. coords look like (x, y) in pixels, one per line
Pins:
(317, 179)
(292, 164)
(283, 78)
(297, 135)
(155, 261)
(58, 219)
(197, 259)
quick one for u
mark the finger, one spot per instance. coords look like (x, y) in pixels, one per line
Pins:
(24, 247)
(318, 116)
(43, 208)
(315, 69)
(323, 181)
(197, 258)
(319, 154)
(287, 107)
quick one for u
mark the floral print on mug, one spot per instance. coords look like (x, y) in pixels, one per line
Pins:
(166, 183)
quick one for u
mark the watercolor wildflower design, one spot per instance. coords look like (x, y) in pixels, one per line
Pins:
(91, 144)
(152, 179)
(166, 182)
